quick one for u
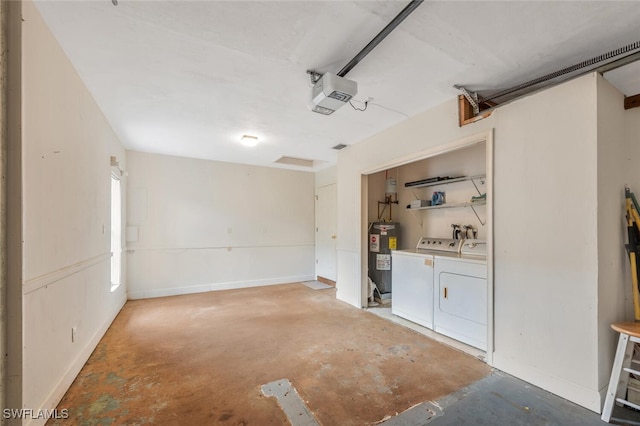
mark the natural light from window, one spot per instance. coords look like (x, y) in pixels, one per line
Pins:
(116, 232)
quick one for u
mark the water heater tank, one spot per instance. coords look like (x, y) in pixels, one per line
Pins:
(383, 237)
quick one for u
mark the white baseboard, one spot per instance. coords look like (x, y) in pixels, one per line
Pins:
(231, 285)
(55, 396)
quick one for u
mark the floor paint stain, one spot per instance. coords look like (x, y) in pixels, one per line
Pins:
(225, 416)
(103, 404)
(113, 378)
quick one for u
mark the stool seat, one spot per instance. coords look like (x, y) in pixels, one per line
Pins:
(630, 328)
(624, 365)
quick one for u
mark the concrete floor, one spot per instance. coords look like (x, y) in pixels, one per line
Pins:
(500, 399)
(203, 358)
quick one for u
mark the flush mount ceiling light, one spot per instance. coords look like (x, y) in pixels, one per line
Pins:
(248, 140)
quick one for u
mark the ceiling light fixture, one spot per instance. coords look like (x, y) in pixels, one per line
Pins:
(248, 140)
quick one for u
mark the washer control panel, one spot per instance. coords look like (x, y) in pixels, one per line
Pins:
(439, 244)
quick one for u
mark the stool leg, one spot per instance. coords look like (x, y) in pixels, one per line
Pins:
(623, 353)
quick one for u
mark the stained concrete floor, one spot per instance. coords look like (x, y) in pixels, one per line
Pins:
(202, 359)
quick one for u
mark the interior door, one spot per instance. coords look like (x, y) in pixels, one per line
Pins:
(326, 227)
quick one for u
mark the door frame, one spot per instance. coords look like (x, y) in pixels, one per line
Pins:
(483, 137)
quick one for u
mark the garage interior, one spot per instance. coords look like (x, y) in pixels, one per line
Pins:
(169, 186)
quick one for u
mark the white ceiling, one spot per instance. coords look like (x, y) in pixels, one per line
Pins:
(189, 78)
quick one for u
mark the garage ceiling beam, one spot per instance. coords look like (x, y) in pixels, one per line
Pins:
(632, 101)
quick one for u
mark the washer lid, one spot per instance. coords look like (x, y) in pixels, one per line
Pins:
(474, 247)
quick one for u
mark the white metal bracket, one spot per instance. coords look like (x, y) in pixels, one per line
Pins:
(471, 97)
(314, 76)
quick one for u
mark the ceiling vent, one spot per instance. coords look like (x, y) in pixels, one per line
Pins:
(302, 162)
(339, 147)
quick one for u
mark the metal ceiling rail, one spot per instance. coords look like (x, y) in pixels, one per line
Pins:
(381, 35)
(568, 70)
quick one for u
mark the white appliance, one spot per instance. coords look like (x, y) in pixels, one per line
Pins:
(412, 276)
(442, 285)
(331, 92)
(413, 287)
(460, 309)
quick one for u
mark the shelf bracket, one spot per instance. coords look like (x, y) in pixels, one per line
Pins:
(476, 186)
(420, 221)
(476, 213)
(471, 97)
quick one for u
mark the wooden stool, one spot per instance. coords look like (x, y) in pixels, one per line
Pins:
(617, 392)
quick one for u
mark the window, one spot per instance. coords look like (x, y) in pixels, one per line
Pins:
(116, 232)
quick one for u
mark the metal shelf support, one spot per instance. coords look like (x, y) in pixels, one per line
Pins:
(476, 213)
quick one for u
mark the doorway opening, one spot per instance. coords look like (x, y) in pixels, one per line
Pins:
(457, 179)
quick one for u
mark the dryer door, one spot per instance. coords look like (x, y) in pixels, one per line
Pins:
(461, 301)
(463, 296)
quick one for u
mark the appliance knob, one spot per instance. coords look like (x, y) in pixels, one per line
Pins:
(451, 244)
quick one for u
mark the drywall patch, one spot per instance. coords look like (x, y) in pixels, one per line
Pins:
(293, 406)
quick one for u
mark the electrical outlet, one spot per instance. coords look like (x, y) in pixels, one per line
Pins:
(74, 334)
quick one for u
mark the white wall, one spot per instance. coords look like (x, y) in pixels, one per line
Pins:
(12, 205)
(614, 165)
(632, 137)
(546, 187)
(326, 176)
(545, 175)
(206, 225)
(67, 145)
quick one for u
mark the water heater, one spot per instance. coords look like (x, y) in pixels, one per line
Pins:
(383, 237)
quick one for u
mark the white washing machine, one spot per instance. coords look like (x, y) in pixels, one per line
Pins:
(460, 295)
(413, 279)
